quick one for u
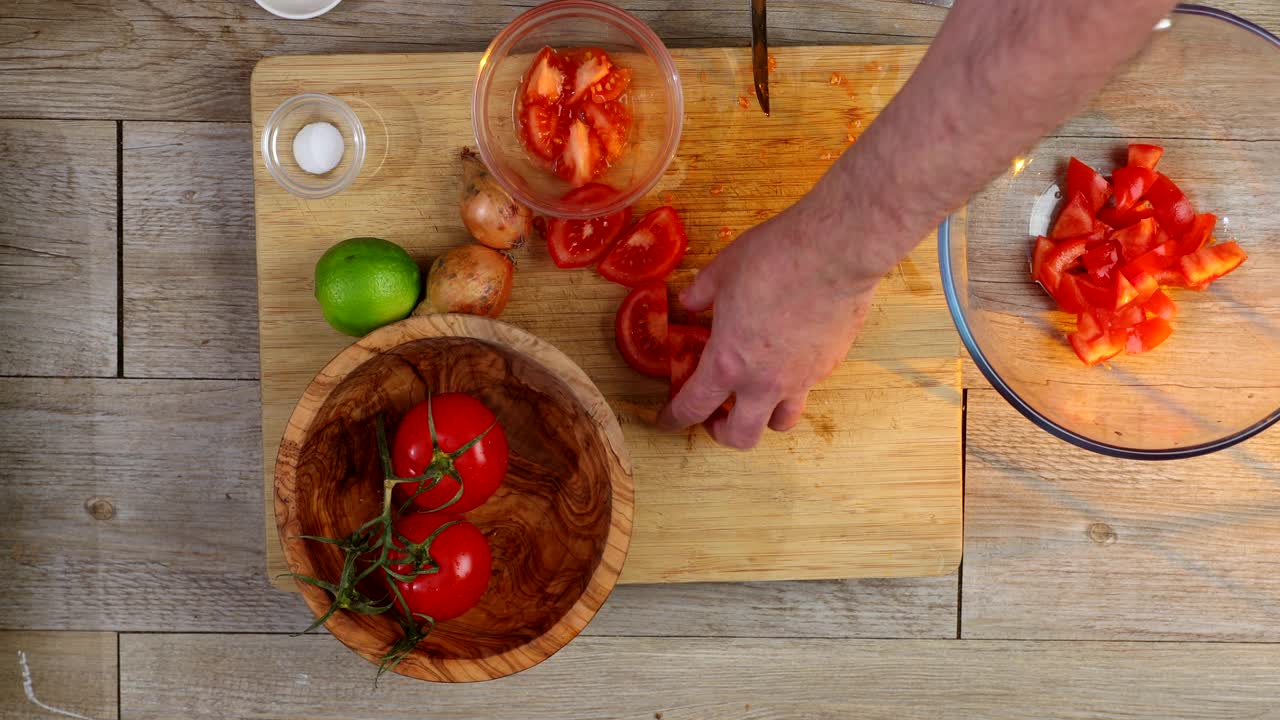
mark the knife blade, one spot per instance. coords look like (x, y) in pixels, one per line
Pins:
(760, 53)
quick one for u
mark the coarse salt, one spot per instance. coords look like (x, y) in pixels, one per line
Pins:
(318, 148)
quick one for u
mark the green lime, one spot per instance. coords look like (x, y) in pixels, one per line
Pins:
(365, 283)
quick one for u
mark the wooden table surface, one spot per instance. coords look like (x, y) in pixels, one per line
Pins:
(130, 495)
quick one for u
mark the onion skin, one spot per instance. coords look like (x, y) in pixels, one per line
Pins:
(471, 279)
(492, 217)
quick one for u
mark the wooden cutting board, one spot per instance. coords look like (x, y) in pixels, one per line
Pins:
(869, 484)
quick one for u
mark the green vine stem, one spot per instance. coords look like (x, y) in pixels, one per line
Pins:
(375, 540)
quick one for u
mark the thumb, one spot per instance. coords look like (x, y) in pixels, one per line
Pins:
(699, 296)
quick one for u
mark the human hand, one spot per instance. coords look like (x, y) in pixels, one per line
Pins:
(786, 312)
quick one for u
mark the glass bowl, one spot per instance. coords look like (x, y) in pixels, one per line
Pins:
(277, 144)
(655, 98)
(1207, 88)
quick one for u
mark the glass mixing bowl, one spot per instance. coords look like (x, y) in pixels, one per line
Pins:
(1207, 88)
(655, 98)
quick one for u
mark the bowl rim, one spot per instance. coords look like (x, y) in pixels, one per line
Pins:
(501, 46)
(622, 491)
(1009, 394)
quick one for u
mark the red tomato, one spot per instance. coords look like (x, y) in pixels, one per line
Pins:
(460, 551)
(1200, 234)
(583, 156)
(1069, 295)
(1102, 260)
(1086, 181)
(1158, 258)
(1148, 334)
(458, 420)
(650, 250)
(1210, 263)
(1060, 259)
(579, 243)
(1100, 348)
(640, 329)
(1173, 209)
(1116, 219)
(539, 128)
(611, 121)
(1131, 183)
(1146, 285)
(1125, 293)
(1039, 253)
(1144, 156)
(1136, 239)
(590, 66)
(1096, 294)
(685, 344)
(612, 87)
(545, 80)
(1161, 306)
(1075, 220)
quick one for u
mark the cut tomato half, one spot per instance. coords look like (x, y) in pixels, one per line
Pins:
(1075, 220)
(650, 250)
(1144, 156)
(684, 345)
(640, 329)
(1086, 181)
(1210, 263)
(1130, 184)
(579, 243)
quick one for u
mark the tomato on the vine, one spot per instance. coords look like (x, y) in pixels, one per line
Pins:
(460, 551)
(459, 419)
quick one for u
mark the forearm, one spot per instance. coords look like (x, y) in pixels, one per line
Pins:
(1000, 74)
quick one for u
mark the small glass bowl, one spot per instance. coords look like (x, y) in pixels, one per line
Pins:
(277, 144)
(655, 97)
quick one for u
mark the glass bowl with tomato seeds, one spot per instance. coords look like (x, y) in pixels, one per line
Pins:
(1123, 299)
(577, 92)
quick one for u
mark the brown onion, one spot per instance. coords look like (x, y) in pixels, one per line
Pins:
(472, 279)
(492, 217)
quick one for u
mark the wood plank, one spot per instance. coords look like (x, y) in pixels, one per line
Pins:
(181, 60)
(190, 301)
(874, 468)
(674, 679)
(1065, 544)
(57, 247)
(50, 674)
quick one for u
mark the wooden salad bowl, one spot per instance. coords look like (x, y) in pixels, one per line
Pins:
(558, 528)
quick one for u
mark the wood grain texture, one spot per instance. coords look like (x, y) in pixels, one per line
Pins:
(682, 679)
(190, 305)
(558, 527)
(1064, 544)
(878, 453)
(57, 248)
(133, 505)
(69, 671)
(181, 60)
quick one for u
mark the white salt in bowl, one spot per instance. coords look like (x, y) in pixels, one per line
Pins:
(282, 128)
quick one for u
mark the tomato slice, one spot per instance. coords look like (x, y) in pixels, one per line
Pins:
(612, 87)
(545, 81)
(684, 345)
(1104, 346)
(591, 66)
(1161, 306)
(1200, 234)
(1116, 219)
(1088, 182)
(640, 329)
(1210, 263)
(1147, 335)
(579, 243)
(1158, 258)
(650, 250)
(538, 125)
(1135, 240)
(1075, 220)
(612, 123)
(1173, 209)
(1131, 183)
(583, 156)
(1102, 260)
(1144, 156)
(1059, 260)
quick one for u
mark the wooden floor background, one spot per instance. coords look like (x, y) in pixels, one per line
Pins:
(130, 528)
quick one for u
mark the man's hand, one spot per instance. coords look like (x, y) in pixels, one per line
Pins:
(783, 322)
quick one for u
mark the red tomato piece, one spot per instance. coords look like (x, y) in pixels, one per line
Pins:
(461, 553)
(1096, 294)
(1137, 239)
(1131, 183)
(1088, 326)
(1147, 335)
(1125, 292)
(579, 243)
(458, 419)
(1144, 156)
(1116, 219)
(1075, 220)
(685, 344)
(1173, 277)
(1200, 234)
(1210, 263)
(1173, 209)
(539, 125)
(1105, 346)
(612, 87)
(650, 250)
(612, 123)
(1158, 258)
(1102, 260)
(1039, 252)
(1088, 182)
(545, 81)
(1146, 285)
(591, 65)
(1069, 296)
(1096, 321)
(583, 156)
(1161, 306)
(641, 329)
(1059, 260)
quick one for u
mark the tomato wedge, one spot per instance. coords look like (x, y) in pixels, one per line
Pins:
(684, 345)
(1102, 260)
(612, 87)
(1088, 182)
(594, 65)
(1116, 219)
(579, 243)
(1147, 335)
(1158, 258)
(545, 80)
(1144, 156)
(1131, 183)
(650, 250)
(1069, 295)
(1075, 220)
(1146, 286)
(640, 329)
(1137, 239)
(1173, 209)
(611, 121)
(1098, 349)
(1059, 260)
(1210, 263)
(1161, 306)
(539, 124)
(1200, 234)
(583, 157)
